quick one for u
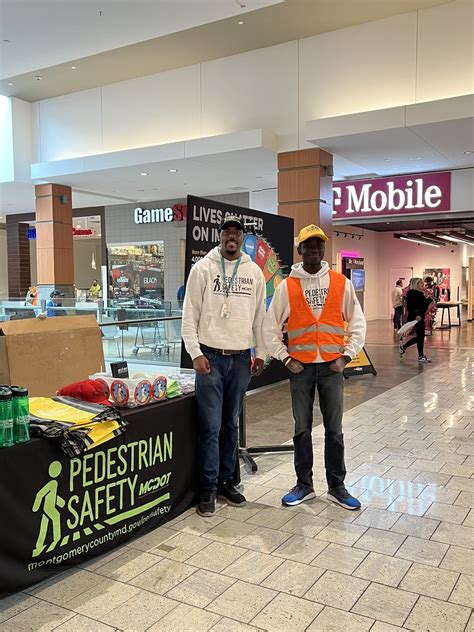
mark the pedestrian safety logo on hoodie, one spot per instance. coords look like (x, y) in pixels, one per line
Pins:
(316, 296)
(242, 286)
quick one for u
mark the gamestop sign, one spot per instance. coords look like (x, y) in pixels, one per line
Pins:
(402, 195)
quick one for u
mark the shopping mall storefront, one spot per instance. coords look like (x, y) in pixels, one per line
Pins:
(415, 225)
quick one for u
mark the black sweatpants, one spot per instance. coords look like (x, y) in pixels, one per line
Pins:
(419, 338)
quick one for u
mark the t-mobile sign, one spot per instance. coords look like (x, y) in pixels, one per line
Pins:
(402, 195)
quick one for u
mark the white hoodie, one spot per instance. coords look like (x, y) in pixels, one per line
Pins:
(315, 288)
(205, 297)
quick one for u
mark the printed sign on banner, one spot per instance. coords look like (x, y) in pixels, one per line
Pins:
(62, 511)
(400, 195)
(271, 248)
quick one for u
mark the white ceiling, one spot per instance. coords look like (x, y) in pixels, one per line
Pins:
(44, 33)
(424, 137)
(248, 170)
(19, 197)
(244, 161)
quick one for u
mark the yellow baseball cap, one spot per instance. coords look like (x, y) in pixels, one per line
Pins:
(310, 231)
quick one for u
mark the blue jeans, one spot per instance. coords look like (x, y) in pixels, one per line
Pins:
(220, 396)
(330, 387)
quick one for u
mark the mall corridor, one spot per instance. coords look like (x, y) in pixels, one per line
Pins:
(404, 562)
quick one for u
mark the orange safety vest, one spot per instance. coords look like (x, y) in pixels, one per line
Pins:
(308, 334)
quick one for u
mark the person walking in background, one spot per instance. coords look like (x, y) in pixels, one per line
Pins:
(417, 306)
(32, 296)
(94, 290)
(317, 303)
(397, 303)
(221, 323)
(55, 300)
(181, 293)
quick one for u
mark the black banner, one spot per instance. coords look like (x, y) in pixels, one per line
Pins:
(57, 511)
(271, 248)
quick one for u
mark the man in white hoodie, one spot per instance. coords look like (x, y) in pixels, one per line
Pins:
(317, 302)
(223, 314)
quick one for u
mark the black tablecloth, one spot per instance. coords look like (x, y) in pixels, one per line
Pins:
(56, 512)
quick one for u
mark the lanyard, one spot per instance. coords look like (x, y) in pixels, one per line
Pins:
(232, 278)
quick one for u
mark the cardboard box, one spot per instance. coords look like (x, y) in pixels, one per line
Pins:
(45, 355)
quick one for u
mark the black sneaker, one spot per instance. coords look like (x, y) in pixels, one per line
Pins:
(228, 492)
(207, 503)
(342, 497)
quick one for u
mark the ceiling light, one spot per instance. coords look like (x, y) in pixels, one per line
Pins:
(73, 67)
(38, 77)
(416, 240)
(432, 238)
(416, 158)
(173, 170)
(144, 173)
(468, 153)
(458, 238)
(386, 159)
(10, 84)
(240, 22)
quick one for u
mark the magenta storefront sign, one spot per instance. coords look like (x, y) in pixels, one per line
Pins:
(401, 195)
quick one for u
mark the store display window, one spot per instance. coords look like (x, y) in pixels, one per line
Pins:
(136, 272)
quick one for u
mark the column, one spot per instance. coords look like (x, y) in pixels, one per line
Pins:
(18, 247)
(305, 191)
(54, 245)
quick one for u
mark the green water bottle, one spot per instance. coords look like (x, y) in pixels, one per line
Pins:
(6, 417)
(21, 414)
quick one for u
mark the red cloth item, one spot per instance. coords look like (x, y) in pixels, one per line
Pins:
(87, 391)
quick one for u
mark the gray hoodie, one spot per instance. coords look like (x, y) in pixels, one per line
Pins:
(315, 288)
(205, 297)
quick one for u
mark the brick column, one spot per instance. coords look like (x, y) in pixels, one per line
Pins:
(305, 191)
(54, 246)
(18, 247)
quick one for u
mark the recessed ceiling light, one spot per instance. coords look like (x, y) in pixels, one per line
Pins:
(38, 78)
(240, 22)
(144, 173)
(258, 177)
(416, 158)
(173, 170)
(140, 190)
(468, 153)
(10, 84)
(73, 67)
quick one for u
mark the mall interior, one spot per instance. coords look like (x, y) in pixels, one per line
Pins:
(128, 130)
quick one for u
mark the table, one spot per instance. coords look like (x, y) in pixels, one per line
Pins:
(57, 511)
(448, 306)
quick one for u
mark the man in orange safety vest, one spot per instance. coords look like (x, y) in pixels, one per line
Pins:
(316, 302)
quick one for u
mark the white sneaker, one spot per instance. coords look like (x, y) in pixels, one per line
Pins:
(424, 359)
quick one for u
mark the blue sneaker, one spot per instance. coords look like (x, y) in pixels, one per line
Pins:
(342, 497)
(297, 495)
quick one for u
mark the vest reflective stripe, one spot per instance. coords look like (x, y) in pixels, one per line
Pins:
(306, 334)
(332, 348)
(293, 348)
(296, 333)
(330, 329)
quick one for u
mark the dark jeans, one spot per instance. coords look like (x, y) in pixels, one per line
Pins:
(397, 316)
(330, 387)
(419, 338)
(220, 396)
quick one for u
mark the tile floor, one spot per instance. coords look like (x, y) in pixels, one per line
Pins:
(405, 562)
